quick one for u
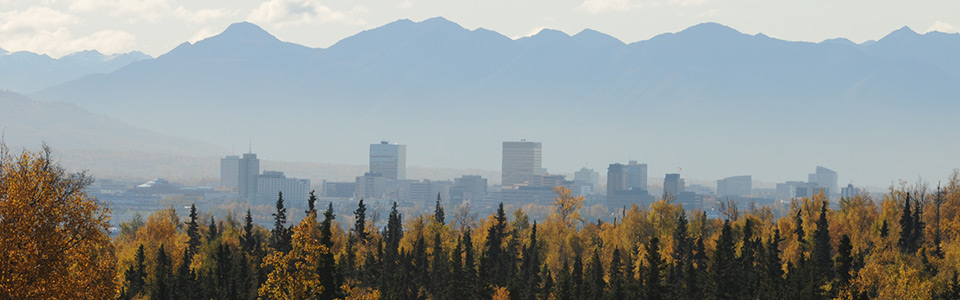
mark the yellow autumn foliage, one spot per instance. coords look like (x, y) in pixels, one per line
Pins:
(53, 236)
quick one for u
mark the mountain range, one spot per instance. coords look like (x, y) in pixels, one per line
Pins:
(708, 96)
(25, 72)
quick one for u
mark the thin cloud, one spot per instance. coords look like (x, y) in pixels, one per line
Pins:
(296, 12)
(603, 6)
(942, 26)
(33, 18)
(61, 41)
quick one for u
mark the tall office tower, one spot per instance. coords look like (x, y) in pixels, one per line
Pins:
(825, 178)
(521, 163)
(735, 186)
(637, 175)
(589, 178)
(249, 167)
(672, 184)
(390, 160)
(230, 172)
(617, 178)
(270, 183)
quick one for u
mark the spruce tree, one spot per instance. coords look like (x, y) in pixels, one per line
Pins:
(224, 274)
(632, 274)
(749, 250)
(330, 277)
(653, 281)
(617, 277)
(311, 202)
(360, 222)
(438, 214)
(193, 233)
(595, 285)
(493, 261)
(248, 240)
(723, 271)
(420, 267)
(918, 226)
(884, 229)
(529, 278)
(697, 281)
(212, 232)
(906, 228)
(391, 262)
(162, 285)
(439, 270)
(548, 288)
(469, 267)
(682, 268)
(844, 261)
(186, 286)
(457, 288)
(772, 283)
(564, 283)
(576, 277)
(135, 276)
(280, 235)
(820, 256)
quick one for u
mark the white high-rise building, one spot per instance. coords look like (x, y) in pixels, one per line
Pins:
(270, 183)
(826, 179)
(389, 159)
(230, 172)
(636, 175)
(521, 163)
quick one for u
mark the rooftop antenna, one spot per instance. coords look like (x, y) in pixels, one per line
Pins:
(250, 149)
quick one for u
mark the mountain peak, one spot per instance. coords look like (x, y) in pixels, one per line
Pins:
(904, 33)
(710, 28)
(439, 21)
(596, 37)
(246, 31)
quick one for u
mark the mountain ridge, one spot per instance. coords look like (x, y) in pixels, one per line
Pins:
(406, 77)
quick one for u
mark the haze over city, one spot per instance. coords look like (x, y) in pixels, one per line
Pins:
(502, 149)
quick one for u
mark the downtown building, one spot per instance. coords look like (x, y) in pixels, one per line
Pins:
(521, 164)
(239, 174)
(271, 183)
(389, 160)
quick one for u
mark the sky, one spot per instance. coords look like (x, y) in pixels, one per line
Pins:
(61, 27)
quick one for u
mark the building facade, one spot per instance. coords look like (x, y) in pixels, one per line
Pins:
(825, 178)
(673, 184)
(389, 159)
(249, 169)
(230, 172)
(521, 163)
(735, 186)
(636, 175)
(271, 183)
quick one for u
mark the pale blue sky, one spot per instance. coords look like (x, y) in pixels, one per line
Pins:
(59, 27)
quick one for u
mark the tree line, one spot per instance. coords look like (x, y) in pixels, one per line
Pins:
(904, 245)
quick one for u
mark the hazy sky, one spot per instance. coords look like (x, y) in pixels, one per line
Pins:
(59, 27)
